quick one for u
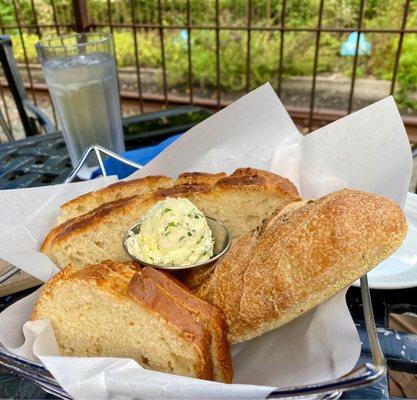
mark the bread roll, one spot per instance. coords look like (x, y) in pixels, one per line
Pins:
(301, 257)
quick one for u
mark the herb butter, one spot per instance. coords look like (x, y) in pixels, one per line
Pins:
(174, 232)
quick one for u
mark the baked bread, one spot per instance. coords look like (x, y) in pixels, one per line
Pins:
(213, 318)
(119, 310)
(143, 187)
(300, 257)
(74, 211)
(241, 201)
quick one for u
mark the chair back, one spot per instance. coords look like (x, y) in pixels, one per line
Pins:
(17, 89)
(30, 116)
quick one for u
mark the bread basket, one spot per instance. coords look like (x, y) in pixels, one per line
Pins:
(363, 375)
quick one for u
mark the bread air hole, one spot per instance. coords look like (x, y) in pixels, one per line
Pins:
(87, 322)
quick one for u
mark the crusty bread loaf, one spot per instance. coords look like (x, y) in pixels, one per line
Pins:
(301, 257)
(241, 201)
(119, 310)
(143, 187)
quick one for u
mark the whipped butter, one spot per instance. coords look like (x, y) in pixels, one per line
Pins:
(174, 232)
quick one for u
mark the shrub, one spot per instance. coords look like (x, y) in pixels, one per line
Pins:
(29, 40)
(407, 73)
(298, 57)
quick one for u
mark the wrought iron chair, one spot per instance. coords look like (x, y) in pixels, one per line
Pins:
(34, 121)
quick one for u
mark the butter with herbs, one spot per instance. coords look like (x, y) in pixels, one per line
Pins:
(174, 232)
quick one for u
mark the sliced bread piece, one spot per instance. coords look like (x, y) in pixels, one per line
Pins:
(143, 187)
(77, 222)
(241, 201)
(122, 190)
(216, 323)
(301, 257)
(112, 310)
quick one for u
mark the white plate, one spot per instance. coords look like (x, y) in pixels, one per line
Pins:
(400, 270)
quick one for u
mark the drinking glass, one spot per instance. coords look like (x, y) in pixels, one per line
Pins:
(80, 72)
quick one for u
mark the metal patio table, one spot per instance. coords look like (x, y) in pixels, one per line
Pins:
(44, 160)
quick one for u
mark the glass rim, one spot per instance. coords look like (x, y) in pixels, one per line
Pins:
(102, 37)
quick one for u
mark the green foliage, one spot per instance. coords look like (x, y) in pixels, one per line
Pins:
(407, 73)
(29, 40)
(6, 12)
(299, 47)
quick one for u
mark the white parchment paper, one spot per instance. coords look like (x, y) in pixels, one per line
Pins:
(368, 150)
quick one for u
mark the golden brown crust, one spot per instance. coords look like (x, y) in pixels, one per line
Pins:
(242, 178)
(147, 291)
(210, 315)
(114, 191)
(99, 274)
(180, 190)
(259, 178)
(199, 178)
(300, 258)
(78, 222)
(103, 275)
(224, 286)
(176, 290)
(93, 220)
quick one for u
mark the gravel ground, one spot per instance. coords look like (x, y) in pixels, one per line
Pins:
(331, 93)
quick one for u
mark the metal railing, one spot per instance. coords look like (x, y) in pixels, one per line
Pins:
(309, 116)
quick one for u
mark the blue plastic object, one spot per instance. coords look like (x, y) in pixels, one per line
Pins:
(142, 156)
(348, 48)
(181, 38)
(184, 34)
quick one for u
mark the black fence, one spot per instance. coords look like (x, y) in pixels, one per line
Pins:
(172, 52)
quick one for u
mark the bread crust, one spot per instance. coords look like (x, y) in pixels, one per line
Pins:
(79, 222)
(181, 190)
(92, 221)
(259, 178)
(148, 292)
(246, 179)
(301, 257)
(199, 178)
(223, 287)
(116, 191)
(124, 189)
(209, 314)
(98, 274)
